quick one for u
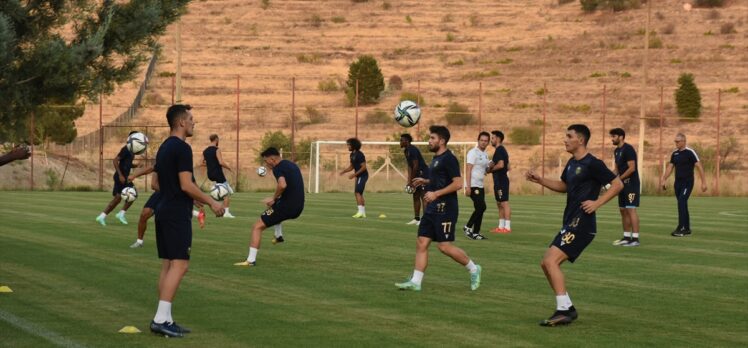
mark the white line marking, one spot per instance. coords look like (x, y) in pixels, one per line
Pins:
(727, 213)
(37, 330)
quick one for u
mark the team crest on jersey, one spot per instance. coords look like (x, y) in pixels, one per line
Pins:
(436, 163)
(477, 192)
(578, 170)
(567, 238)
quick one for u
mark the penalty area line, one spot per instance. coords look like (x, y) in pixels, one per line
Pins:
(37, 330)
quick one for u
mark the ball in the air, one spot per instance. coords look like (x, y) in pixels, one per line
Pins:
(407, 113)
(409, 189)
(129, 194)
(137, 143)
(219, 191)
(262, 171)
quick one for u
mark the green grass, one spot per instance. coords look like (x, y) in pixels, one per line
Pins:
(331, 283)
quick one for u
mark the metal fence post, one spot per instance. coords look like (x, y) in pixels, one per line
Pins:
(719, 154)
(542, 160)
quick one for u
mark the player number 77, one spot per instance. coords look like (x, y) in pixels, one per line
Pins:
(447, 227)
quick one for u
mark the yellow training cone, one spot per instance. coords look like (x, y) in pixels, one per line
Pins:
(129, 329)
(382, 216)
(5, 289)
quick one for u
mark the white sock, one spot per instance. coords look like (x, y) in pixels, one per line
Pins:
(471, 267)
(278, 230)
(139, 241)
(361, 209)
(121, 212)
(626, 234)
(635, 235)
(502, 223)
(195, 213)
(102, 215)
(508, 224)
(417, 277)
(252, 255)
(226, 209)
(563, 302)
(163, 314)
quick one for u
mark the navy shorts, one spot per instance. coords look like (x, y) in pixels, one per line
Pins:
(173, 238)
(361, 183)
(153, 201)
(438, 227)
(629, 195)
(277, 214)
(118, 187)
(501, 190)
(575, 237)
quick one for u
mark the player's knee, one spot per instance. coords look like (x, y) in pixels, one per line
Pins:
(146, 214)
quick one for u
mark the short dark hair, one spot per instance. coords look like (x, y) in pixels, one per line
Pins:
(618, 131)
(176, 112)
(407, 137)
(582, 130)
(441, 131)
(484, 133)
(270, 151)
(499, 134)
(354, 142)
(213, 137)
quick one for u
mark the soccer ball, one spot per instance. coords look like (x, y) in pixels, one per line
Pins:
(409, 189)
(262, 171)
(129, 194)
(219, 192)
(407, 113)
(137, 143)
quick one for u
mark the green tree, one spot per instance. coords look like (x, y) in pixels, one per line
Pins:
(370, 81)
(56, 54)
(687, 97)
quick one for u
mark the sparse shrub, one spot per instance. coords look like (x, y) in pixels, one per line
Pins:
(713, 15)
(329, 85)
(526, 135)
(655, 42)
(734, 89)
(727, 28)
(708, 155)
(275, 139)
(386, 5)
(476, 75)
(541, 91)
(358, 1)
(709, 3)
(659, 16)
(456, 62)
(564, 2)
(708, 33)
(688, 97)
(370, 80)
(413, 97)
(447, 18)
(408, 19)
(505, 61)
(53, 179)
(572, 108)
(597, 74)
(458, 115)
(668, 29)
(676, 61)
(450, 37)
(396, 83)
(315, 20)
(315, 116)
(589, 5)
(474, 19)
(378, 116)
(154, 98)
(311, 58)
(614, 5)
(625, 74)
(338, 19)
(265, 4)
(166, 74)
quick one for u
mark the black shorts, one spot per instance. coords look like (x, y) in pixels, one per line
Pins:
(118, 187)
(277, 214)
(629, 195)
(438, 227)
(153, 201)
(173, 238)
(501, 190)
(575, 237)
(361, 184)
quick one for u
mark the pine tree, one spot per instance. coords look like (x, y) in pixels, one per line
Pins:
(687, 97)
(370, 80)
(56, 54)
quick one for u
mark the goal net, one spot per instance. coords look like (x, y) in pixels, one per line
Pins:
(385, 161)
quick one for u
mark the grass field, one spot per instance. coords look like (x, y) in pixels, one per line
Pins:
(76, 283)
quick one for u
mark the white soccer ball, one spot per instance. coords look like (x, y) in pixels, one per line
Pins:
(129, 194)
(409, 189)
(137, 143)
(219, 192)
(407, 113)
(262, 171)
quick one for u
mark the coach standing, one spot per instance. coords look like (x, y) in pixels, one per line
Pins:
(683, 159)
(173, 178)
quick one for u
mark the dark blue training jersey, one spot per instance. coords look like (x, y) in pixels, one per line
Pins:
(292, 197)
(684, 161)
(125, 161)
(413, 154)
(443, 169)
(215, 171)
(623, 155)
(357, 159)
(498, 155)
(583, 179)
(173, 157)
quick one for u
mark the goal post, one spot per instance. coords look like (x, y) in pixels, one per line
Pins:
(384, 159)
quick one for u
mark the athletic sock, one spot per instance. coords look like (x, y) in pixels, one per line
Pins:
(195, 213)
(626, 235)
(121, 212)
(635, 235)
(163, 314)
(507, 224)
(226, 209)
(361, 209)
(139, 241)
(102, 215)
(502, 223)
(471, 266)
(252, 255)
(278, 230)
(417, 277)
(563, 302)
